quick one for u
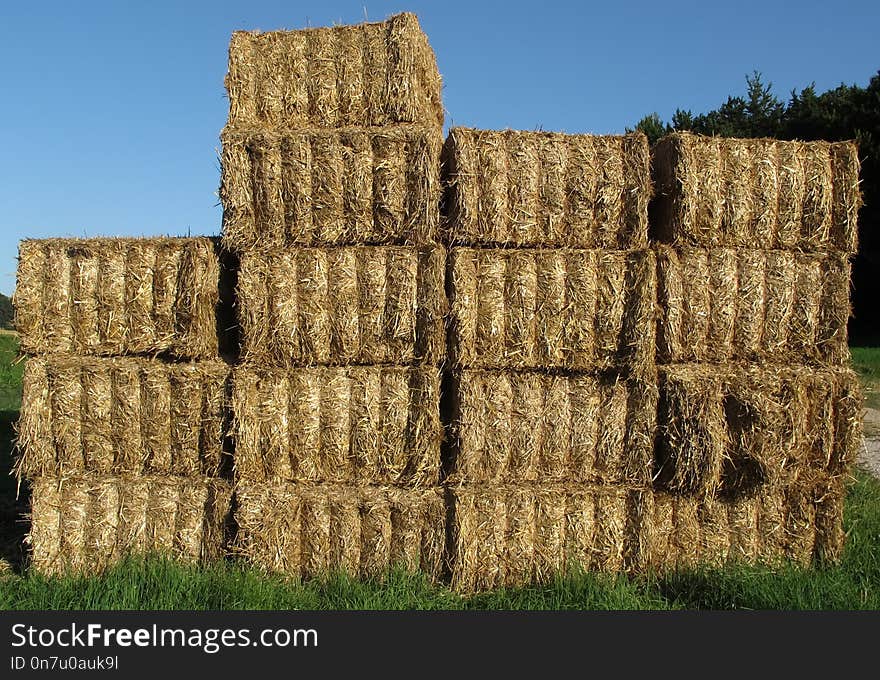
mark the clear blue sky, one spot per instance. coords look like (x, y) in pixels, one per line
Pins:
(111, 111)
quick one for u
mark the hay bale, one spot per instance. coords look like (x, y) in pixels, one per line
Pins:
(330, 187)
(755, 193)
(354, 424)
(308, 530)
(735, 430)
(796, 523)
(724, 304)
(86, 523)
(514, 188)
(365, 75)
(110, 296)
(115, 415)
(352, 305)
(577, 309)
(509, 535)
(531, 426)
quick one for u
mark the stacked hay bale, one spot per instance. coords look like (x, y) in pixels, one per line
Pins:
(123, 421)
(759, 413)
(552, 342)
(330, 194)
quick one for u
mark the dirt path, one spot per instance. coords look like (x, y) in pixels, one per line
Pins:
(869, 456)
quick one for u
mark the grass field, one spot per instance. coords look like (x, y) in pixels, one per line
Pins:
(154, 583)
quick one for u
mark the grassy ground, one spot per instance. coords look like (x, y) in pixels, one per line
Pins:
(155, 583)
(866, 360)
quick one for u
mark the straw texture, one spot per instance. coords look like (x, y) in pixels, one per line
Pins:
(119, 296)
(514, 427)
(87, 523)
(358, 424)
(330, 187)
(366, 75)
(724, 304)
(307, 530)
(742, 430)
(756, 193)
(546, 189)
(122, 415)
(352, 305)
(514, 535)
(577, 309)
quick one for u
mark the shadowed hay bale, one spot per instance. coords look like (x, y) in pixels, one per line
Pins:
(797, 523)
(319, 187)
(87, 523)
(366, 424)
(364, 75)
(353, 305)
(579, 309)
(122, 415)
(737, 430)
(723, 304)
(514, 535)
(307, 530)
(532, 426)
(756, 193)
(119, 296)
(546, 189)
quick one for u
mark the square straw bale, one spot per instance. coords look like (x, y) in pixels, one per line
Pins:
(738, 430)
(796, 523)
(511, 535)
(532, 426)
(86, 523)
(346, 186)
(115, 415)
(312, 530)
(110, 296)
(350, 305)
(365, 75)
(585, 310)
(527, 189)
(755, 193)
(353, 424)
(774, 306)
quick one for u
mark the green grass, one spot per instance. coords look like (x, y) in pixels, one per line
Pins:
(866, 362)
(156, 583)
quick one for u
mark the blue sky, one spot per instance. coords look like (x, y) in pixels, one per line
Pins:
(111, 111)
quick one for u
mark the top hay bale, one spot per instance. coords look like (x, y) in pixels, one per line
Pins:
(756, 193)
(109, 296)
(546, 189)
(365, 75)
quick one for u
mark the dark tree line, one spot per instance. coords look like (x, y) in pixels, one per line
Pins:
(846, 112)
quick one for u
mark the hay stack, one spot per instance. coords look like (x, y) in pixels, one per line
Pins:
(528, 189)
(119, 296)
(122, 434)
(588, 310)
(330, 186)
(350, 305)
(527, 427)
(123, 415)
(756, 193)
(87, 523)
(367, 75)
(512, 535)
(331, 192)
(741, 430)
(306, 530)
(353, 424)
(724, 304)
